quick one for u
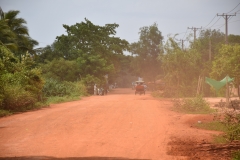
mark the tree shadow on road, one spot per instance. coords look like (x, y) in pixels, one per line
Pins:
(66, 158)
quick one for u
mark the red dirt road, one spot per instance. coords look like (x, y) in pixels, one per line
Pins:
(118, 126)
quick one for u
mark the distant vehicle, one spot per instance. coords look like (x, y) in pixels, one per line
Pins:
(139, 88)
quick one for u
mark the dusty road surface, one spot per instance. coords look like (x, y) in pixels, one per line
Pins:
(119, 126)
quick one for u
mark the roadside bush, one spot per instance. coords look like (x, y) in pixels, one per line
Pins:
(232, 122)
(75, 88)
(17, 99)
(236, 155)
(55, 88)
(20, 82)
(193, 105)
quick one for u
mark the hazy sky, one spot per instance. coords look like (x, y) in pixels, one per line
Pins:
(46, 17)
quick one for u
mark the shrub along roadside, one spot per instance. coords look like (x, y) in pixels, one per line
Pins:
(55, 91)
(23, 88)
(55, 88)
(229, 124)
(230, 127)
(20, 82)
(196, 105)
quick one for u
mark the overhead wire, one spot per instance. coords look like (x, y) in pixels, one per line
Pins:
(219, 19)
(234, 8)
(210, 21)
(185, 33)
(221, 26)
(215, 23)
(207, 24)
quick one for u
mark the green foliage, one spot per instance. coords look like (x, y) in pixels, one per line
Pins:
(4, 113)
(88, 38)
(94, 65)
(14, 34)
(206, 38)
(232, 121)
(61, 69)
(227, 63)
(20, 83)
(236, 155)
(234, 39)
(92, 47)
(196, 105)
(214, 125)
(91, 80)
(55, 88)
(17, 98)
(181, 69)
(47, 53)
(147, 49)
(219, 139)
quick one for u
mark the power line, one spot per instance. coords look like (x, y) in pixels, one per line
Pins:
(211, 21)
(185, 33)
(215, 23)
(181, 33)
(234, 21)
(221, 26)
(234, 8)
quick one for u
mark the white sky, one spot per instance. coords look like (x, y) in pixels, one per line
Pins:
(46, 17)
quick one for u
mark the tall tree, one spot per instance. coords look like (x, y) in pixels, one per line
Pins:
(61, 69)
(7, 36)
(21, 39)
(93, 47)
(181, 68)
(85, 37)
(146, 50)
(227, 62)
(209, 42)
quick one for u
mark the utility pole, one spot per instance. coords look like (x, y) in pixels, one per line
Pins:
(182, 42)
(226, 17)
(210, 47)
(194, 29)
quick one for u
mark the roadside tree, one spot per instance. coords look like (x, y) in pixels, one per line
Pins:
(93, 47)
(146, 51)
(15, 34)
(227, 62)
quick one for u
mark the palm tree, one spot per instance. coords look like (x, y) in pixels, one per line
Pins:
(21, 38)
(6, 34)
